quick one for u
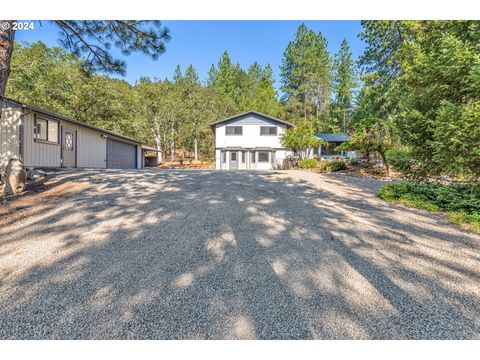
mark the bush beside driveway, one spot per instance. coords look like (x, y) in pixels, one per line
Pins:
(231, 255)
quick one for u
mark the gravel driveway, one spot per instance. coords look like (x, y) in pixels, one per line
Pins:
(232, 255)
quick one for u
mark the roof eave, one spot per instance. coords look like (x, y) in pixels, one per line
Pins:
(73, 121)
(212, 124)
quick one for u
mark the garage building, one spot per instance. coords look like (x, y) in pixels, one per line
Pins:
(42, 139)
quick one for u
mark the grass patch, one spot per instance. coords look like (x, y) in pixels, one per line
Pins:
(460, 202)
(470, 221)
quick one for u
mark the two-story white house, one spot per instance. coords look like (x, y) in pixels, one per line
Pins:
(249, 141)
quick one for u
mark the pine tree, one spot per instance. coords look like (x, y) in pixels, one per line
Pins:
(230, 80)
(344, 85)
(177, 75)
(306, 75)
(212, 76)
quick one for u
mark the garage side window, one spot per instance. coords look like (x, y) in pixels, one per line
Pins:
(233, 130)
(41, 129)
(52, 131)
(46, 130)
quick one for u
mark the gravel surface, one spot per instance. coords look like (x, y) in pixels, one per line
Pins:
(233, 255)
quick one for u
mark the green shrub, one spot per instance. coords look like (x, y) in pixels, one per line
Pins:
(401, 161)
(322, 165)
(354, 162)
(307, 163)
(336, 165)
(461, 202)
(332, 165)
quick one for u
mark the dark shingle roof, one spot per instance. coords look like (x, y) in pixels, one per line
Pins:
(333, 137)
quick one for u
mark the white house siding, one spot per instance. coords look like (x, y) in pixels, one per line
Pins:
(10, 132)
(38, 154)
(250, 140)
(251, 134)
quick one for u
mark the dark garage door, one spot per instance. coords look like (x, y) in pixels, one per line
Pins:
(120, 155)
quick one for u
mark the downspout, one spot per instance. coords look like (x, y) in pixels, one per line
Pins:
(21, 130)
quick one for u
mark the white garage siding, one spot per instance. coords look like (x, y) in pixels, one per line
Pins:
(38, 154)
(91, 148)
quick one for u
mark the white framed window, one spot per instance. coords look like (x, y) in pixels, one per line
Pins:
(46, 130)
(41, 129)
(233, 130)
(52, 131)
(268, 130)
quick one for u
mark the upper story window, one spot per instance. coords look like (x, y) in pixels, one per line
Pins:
(268, 130)
(233, 130)
(46, 130)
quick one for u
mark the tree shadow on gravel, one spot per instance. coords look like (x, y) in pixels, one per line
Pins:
(232, 255)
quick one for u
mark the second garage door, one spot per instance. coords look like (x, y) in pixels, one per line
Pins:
(120, 155)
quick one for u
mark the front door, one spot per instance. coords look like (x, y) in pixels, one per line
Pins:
(69, 148)
(233, 160)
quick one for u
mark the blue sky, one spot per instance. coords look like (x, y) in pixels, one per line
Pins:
(201, 43)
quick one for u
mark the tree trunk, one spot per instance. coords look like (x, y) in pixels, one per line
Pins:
(158, 142)
(173, 143)
(305, 108)
(195, 145)
(7, 37)
(385, 162)
(165, 143)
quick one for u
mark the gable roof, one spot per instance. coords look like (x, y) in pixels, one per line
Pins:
(67, 119)
(251, 112)
(333, 137)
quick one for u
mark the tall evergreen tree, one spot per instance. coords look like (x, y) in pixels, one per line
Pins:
(306, 75)
(211, 76)
(261, 92)
(344, 85)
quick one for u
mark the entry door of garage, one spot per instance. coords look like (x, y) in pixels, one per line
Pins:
(120, 155)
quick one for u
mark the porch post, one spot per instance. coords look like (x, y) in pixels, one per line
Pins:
(227, 159)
